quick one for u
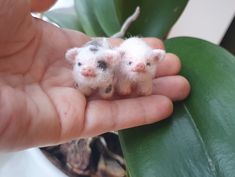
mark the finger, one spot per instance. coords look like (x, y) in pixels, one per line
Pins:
(115, 41)
(154, 43)
(103, 116)
(170, 65)
(175, 87)
(41, 6)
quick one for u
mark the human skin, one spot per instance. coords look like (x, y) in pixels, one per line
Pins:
(38, 104)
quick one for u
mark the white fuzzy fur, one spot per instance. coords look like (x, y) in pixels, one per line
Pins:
(88, 59)
(137, 51)
(119, 73)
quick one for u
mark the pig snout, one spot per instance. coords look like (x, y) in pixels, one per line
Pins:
(139, 68)
(88, 72)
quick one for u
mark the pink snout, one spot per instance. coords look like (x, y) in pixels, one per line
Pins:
(88, 72)
(139, 68)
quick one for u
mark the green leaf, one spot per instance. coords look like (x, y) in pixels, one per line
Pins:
(198, 139)
(157, 17)
(99, 17)
(108, 15)
(65, 18)
(85, 13)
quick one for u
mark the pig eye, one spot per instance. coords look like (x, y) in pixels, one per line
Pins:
(130, 62)
(148, 64)
(79, 64)
(102, 65)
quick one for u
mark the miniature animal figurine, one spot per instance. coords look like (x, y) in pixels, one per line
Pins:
(93, 67)
(137, 67)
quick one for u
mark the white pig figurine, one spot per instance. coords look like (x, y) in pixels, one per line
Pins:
(93, 67)
(137, 67)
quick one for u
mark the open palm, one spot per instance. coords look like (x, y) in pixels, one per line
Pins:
(39, 105)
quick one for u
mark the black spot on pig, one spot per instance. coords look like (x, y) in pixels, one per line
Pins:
(109, 89)
(93, 49)
(102, 65)
(96, 43)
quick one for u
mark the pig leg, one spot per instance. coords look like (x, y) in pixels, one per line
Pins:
(144, 88)
(106, 92)
(124, 87)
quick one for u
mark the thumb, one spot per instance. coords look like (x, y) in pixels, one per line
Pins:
(42, 5)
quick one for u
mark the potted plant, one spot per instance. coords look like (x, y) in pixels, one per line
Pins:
(197, 140)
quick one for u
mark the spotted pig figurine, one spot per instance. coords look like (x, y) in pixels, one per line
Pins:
(93, 67)
(137, 67)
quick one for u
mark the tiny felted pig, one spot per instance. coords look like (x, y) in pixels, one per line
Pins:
(94, 67)
(137, 67)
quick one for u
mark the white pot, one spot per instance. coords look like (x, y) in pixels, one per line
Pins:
(28, 163)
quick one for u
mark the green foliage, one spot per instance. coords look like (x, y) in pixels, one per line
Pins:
(198, 139)
(105, 17)
(86, 15)
(157, 17)
(108, 18)
(65, 18)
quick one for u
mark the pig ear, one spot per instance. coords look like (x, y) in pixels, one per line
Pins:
(112, 57)
(71, 54)
(158, 54)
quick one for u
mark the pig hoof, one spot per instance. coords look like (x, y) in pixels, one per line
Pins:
(125, 92)
(144, 93)
(106, 96)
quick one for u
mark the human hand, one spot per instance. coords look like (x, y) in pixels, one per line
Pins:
(39, 105)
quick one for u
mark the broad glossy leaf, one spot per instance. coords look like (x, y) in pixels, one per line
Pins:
(65, 18)
(86, 15)
(108, 13)
(198, 139)
(157, 17)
